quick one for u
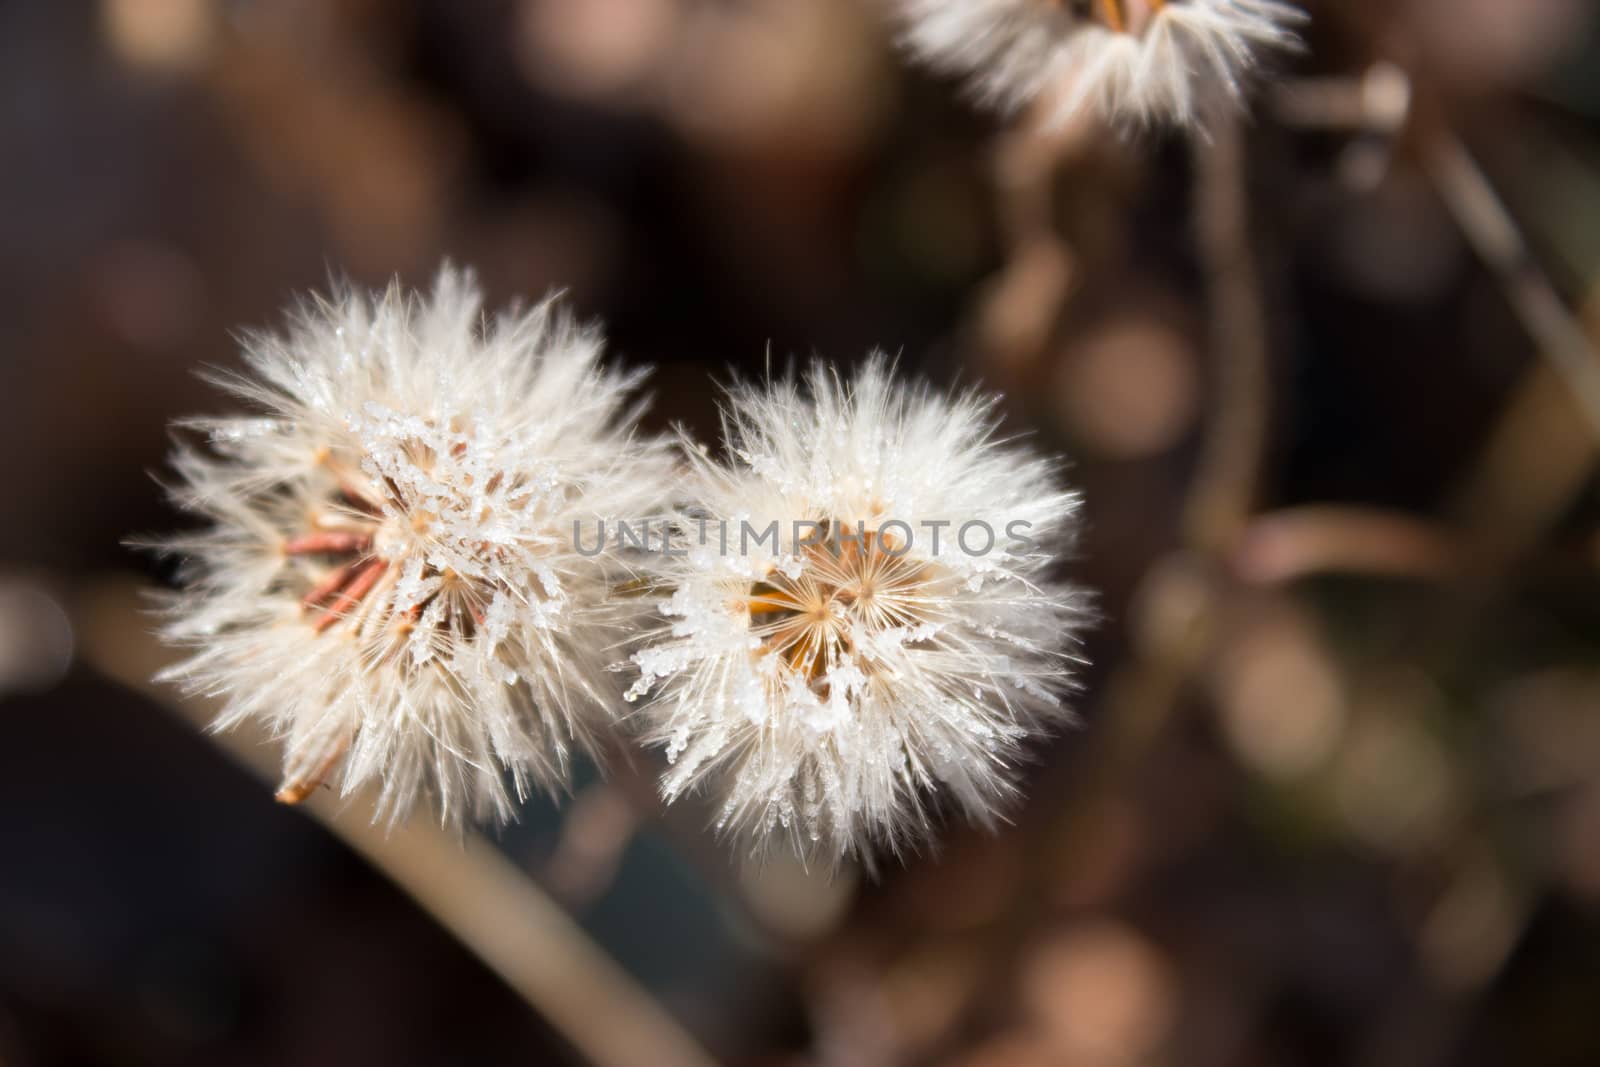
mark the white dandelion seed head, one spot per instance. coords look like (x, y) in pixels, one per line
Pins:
(830, 690)
(390, 577)
(1130, 61)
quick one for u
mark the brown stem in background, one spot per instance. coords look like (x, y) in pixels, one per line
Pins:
(1295, 543)
(467, 885)
(1143, 695)
(1224, 490)
(1024, 301)
(1498, 240)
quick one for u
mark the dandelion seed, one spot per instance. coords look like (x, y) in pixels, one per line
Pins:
(389, 578)
(832, 682)
(1138, 61)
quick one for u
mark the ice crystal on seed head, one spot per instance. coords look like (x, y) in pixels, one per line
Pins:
(1131, 61)
(829, 683)
(389, 577)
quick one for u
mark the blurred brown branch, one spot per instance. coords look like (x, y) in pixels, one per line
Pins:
(1294, 543)
(1499, 242)
(470, 888)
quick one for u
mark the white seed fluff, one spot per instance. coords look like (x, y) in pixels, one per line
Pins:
(829, 690)
(389, 578)
(1131, 61)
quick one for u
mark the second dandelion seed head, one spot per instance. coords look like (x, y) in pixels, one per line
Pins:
(867, 657)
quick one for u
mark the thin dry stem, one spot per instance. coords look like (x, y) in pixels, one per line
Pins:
(1224, 490)
(469, 887)
(1499, 242)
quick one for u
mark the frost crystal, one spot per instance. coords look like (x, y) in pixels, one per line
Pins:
(1137, 61)
(831, 682)
(389, 577)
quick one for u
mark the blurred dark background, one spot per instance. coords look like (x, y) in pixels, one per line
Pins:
(1336, 795)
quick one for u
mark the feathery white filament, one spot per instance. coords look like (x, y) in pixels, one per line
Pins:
(390, 578)
(1138, 61)
(831, 682)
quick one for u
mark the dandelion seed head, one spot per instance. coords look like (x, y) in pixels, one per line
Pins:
(390, 577)
(1129, 61)
(836, 682)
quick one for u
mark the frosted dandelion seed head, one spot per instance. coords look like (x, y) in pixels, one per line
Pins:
(389, 576)
(879, 634)
(1130, 61)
